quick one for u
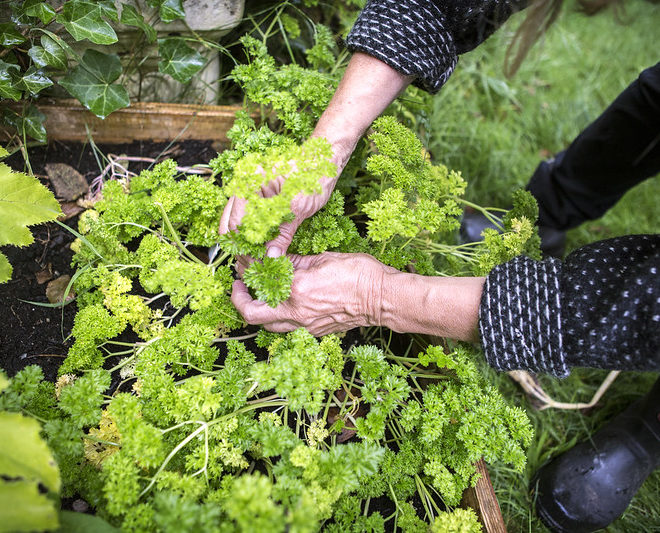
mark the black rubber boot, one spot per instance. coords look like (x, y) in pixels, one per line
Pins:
(473, 223)
(591, 485)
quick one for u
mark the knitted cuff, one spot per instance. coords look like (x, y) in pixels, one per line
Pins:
(411, 37)
(520, 317)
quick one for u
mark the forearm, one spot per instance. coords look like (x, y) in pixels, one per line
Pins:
(366, 89)
(600, 308)
(444, 307)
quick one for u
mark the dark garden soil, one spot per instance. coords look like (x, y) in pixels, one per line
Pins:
(33, 334)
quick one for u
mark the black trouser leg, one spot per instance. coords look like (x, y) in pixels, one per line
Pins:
(614, 153)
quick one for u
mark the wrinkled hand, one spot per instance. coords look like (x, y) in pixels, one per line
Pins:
(302, 206)
(331, 292)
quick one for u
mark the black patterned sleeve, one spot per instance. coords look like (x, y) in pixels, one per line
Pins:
(423, 38)
(600, 308)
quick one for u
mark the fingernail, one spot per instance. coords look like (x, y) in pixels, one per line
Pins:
(273, 252)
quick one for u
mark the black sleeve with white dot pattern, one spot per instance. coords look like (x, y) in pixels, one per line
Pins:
(423, 38)
(600, 308)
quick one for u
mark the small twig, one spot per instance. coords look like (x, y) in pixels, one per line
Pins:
(116, 170)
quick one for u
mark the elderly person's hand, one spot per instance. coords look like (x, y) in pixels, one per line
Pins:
(335, 292)
(331, 292)
(302, 206)
(367, 87)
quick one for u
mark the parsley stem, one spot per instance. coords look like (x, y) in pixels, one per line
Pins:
(175, 235)
(101, 441)
(241, 338)
(486, 212)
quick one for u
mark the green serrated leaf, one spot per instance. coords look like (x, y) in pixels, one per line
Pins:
(84, 20)
(23, 202)
(178, 59)
(23, 508)
(24, 454)
(91, 83)
(43, 11)
(5, 268)
(9, 35)
(131, 17)
(3, 152)
(7, 77)
(34, 81)
(48, 54)
(71, 522)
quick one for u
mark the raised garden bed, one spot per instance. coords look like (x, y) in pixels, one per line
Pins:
(180, 408)
(40, 335)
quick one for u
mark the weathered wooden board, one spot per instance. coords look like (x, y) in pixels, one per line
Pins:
(68, 120)
(482, 499)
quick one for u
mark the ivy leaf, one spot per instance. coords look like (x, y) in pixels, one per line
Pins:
(7, 87)
(41, 10)
(28, 123)
(84, 20)
(23, 202)
(34, 81)
(169, 10)
(9, 35)
(48, 54)
(178, 59)
(131, 17)
(91, 83)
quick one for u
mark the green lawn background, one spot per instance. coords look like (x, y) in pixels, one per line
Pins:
(496, 130)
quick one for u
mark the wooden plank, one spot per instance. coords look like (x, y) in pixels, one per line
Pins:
(482, 499)
(68, 120)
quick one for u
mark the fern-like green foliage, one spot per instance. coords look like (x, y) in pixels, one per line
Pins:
(289, 88)
(299, 167)
(417, 195)
(270, 278)
(201, 432)
(300, 369)
(519, 235)
(329, 230)
(24, 202)
(457, 521)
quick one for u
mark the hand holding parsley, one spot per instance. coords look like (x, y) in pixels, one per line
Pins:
(367, 87)
(331, 292)
(302, 206)
(334, 292)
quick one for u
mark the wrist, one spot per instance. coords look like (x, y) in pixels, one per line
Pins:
(443, 307)
(341, 139)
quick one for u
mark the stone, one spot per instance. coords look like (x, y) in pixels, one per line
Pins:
(68, 183)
